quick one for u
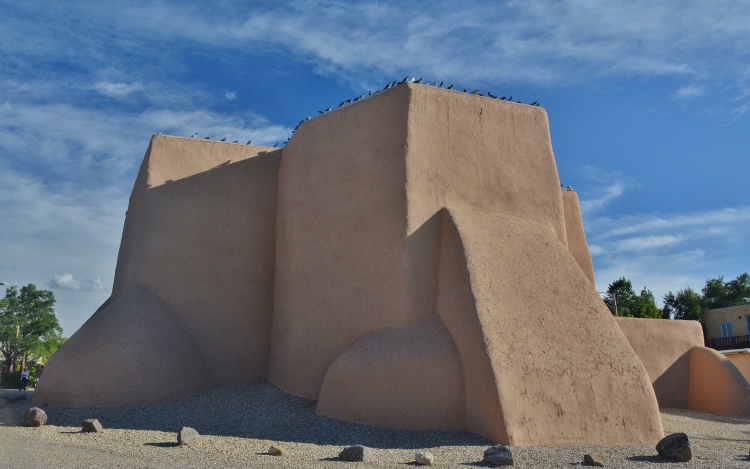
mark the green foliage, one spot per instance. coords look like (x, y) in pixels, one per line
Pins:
(630, 304)
(27, 323)
(686, 304)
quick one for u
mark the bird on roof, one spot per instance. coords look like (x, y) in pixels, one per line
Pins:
(519, 101)
(419, 82)
(450, 87)
(276, 144)
(387, 86)
(249, 142)
(502, 99)
(465, 90)
(208, 138)
(194, 135)
(348, 101)
(510, 99)
(491, 95)
(475, 92)
(342, 103)
(406, 78)
(535, 103)
(441, 84)
(321, 112)
(236, 141)
(224, 139)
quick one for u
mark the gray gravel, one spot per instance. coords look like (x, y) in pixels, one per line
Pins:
(239, 423)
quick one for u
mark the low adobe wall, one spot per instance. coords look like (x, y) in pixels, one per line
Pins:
(684, 373)
(740, 359)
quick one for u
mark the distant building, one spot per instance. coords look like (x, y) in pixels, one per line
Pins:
(728, 328)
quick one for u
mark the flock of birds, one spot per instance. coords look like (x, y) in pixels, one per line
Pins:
(392, 84)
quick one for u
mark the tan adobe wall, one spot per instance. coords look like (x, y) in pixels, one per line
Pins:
(716, 385)
(575, 235)
(664, 346)
(733, 314)
(741, 360)
(198, 247)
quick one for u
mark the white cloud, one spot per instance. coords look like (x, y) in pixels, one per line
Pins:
(117, 90)
(231, 95)
(67, 282)
(689, 91)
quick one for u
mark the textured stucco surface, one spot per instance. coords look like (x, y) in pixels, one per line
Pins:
(664, 348)
(410, 260)
(716, 385)
(199, 240)
(741, 361)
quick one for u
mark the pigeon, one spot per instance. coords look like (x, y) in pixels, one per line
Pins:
(491, 95)
(236, 141)
(194, 135)
(224, 139)
(520, 102)
(249, 142)
(475, 92)
(208, 138)
(388, 86)
(406, 78)
(158, 133)
(441, 84)
(348, 101)
(464, 90)
(502, 99)
(535, 103)
(276, 144)
(450, 87)
(342, 103)
(481, 94)
(321, 112)
(434, 84)
(510, 99)
(329, 109)
(419, 82)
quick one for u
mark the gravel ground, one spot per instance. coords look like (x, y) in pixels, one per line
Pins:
(239, 423)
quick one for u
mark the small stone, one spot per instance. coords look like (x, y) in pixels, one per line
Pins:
(34, 417)
(594, 460)
(275, 450)
(187, 435)
(498, 455)
(91, 426)
(356, 453)
(675, 446)
(424, 459)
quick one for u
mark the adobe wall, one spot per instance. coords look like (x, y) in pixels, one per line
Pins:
(575, 235)
(741, 360)
(664, 347)
(716, 385)
(198, 249)
(736, 315)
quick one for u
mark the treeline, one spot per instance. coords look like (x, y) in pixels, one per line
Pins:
(685, 304)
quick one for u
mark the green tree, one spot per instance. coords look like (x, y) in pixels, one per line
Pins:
(630, 304)
(27, 319)
(686, 304)
(720, 294)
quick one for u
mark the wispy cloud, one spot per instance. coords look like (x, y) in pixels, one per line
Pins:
(117, 90)
(231, 96)
(690, 91)
(67, 282)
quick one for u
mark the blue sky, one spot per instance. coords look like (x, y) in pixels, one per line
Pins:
(648, 102)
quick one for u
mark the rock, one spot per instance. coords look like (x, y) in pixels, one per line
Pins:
(91, 426)
(424, 459)
(498, 455)
(187, 435)
(356, 453)
(34, 417)
(595, 460)
(675, 446)
(275, 450)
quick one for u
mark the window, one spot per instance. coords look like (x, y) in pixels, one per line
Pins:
(726, 329)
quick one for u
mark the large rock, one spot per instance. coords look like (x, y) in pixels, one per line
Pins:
(498, 455)
(187, 435)
(356, 453)
(596, 460)
(424, 459)
(34, 417)
(675, 446)
(275, 450)
(91, 426)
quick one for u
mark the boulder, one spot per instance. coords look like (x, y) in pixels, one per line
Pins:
(676, 447)
(34, 417)
(356, 453)
(498, 455)
(596, 460)
(275, 450)
(91, 426)
(187, 435)
(424, 459)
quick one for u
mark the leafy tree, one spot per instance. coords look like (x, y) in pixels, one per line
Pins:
(686, 304)
(630, 304)
(27, 319)
(720, 294)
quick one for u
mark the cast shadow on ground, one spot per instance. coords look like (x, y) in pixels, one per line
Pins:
(258, 411)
